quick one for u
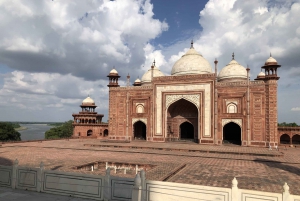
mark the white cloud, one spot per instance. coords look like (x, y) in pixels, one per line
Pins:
(76, 36)
(295, 109)
(61, 51)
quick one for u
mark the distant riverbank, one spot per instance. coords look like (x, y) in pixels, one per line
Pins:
(21, 128)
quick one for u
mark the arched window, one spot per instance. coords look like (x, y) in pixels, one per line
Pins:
(231, 108)
(139, 109)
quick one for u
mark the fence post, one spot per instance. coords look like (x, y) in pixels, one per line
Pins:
(136, 190)
(14, 174)
(235, 193)
(286, 196)
(106, 186)
(143, 180)
(40, 177)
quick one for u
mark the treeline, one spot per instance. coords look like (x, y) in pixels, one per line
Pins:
(55, 124)
(287, 124)
(34, 122)
(64, 130)
(8, 132)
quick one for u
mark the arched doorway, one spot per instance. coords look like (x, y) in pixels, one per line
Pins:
(296, 139)
(139, 130)
(186, 131)
(285, 139)
(105, 133)
(178, 112)
(89, 133)
(232, 134)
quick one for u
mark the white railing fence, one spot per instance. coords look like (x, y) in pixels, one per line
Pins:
(109, 187)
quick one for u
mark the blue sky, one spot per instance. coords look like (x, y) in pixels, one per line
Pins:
(54, 53)
(183, 19)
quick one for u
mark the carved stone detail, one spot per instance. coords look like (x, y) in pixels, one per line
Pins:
(237, 121)
(194, 98)
(144, 120)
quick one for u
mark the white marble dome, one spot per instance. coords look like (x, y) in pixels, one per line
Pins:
(146, 78)
(88, 101)
(113, 71)
(191, 63)
(232, 72)
(137, 80)
(261, 74)
(271, 61)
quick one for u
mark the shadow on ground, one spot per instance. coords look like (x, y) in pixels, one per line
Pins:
(5, 161)
(278, 165)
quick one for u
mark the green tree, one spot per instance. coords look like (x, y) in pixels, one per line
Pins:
(63, 131)
(288, 124)
(8, 133)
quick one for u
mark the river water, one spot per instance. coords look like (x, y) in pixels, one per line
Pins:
(34, 131)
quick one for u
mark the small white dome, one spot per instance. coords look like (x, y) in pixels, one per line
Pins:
(147, 76)
(88, 100)
(261, 74)
(233, 71)
(191, 63)
(271, 60)
(137, 80)
(113, 71)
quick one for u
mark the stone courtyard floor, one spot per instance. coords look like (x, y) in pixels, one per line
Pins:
(255, 168)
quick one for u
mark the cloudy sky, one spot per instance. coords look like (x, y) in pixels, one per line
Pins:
(53, 53)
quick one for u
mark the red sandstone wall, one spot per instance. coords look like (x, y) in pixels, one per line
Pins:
(124, 99)
(82, 129)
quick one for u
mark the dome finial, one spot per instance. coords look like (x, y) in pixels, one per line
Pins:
(270, 54)
(192, 44)
(233, 56)
(154, 62)
(88, 95)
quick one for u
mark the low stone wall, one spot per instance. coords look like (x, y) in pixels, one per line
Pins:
(112, 188)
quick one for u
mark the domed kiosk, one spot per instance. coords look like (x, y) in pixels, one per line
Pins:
(88, 123)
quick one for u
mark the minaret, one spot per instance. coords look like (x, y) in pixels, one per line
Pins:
(270, 79)
(152, 68)
(216, 101)
(113, 78)
(248, 106)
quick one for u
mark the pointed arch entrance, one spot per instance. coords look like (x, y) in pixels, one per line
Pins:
(232, 134)
(285, 139)
(89, 133)
(296, 139)
(187, 131)
(105, 133)
(139, 130)
(182, 121)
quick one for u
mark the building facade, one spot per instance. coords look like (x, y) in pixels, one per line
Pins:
(196, 103)
(88, 123)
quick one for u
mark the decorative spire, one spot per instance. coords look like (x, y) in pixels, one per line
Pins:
(192, 44)
(233, 56)
(154, 62)
(270, 54)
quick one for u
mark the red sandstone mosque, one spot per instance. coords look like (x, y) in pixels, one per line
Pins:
(193, 103)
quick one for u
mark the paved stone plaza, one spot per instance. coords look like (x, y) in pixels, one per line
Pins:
(255, 168)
